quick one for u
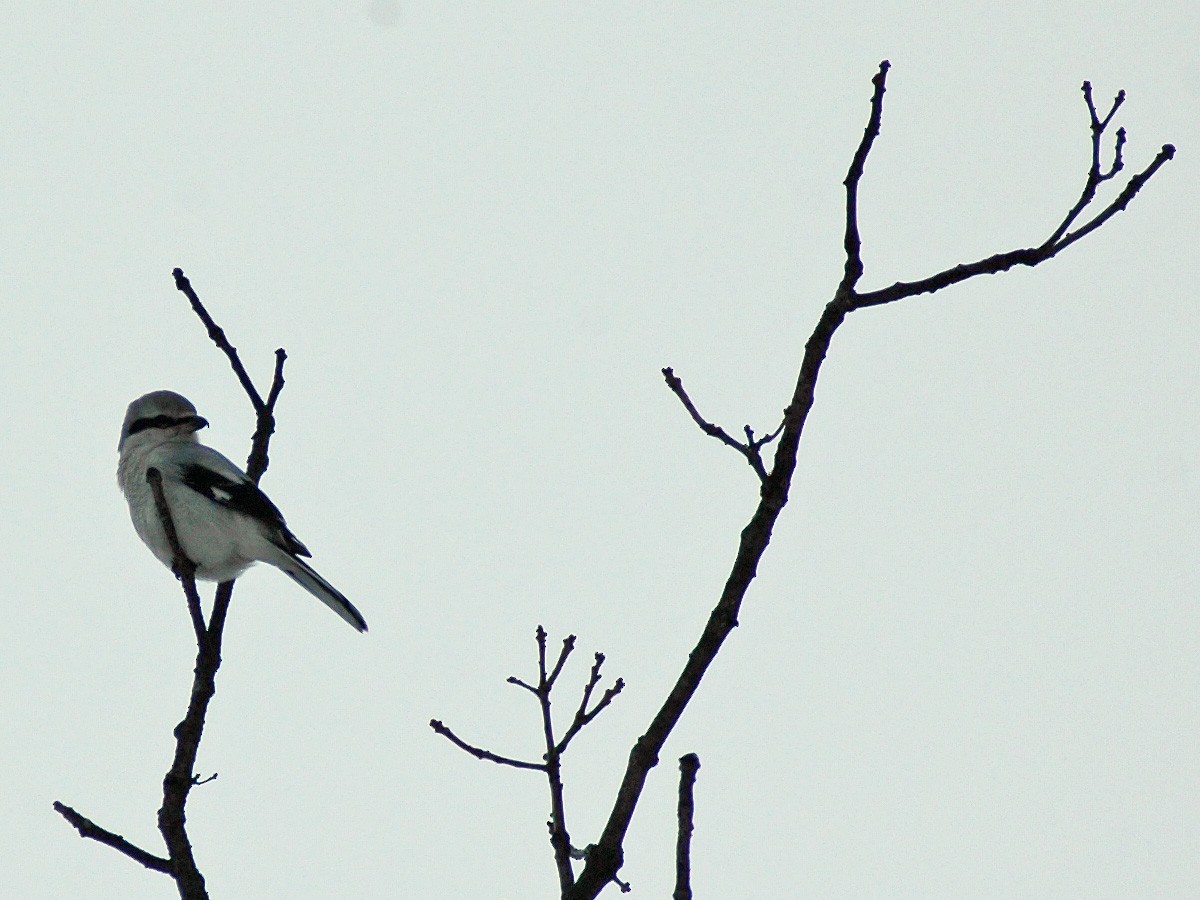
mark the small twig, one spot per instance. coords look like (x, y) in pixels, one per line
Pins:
(560, 839)
(264, 427)
(217, 335)
(480, 753)
(583, 715)
(184, 568)
(852, 240)
(689, 765)
(89, 829)
(749, 450)
(567, 647)
(1095, 177)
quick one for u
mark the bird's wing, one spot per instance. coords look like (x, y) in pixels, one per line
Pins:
(217, 479)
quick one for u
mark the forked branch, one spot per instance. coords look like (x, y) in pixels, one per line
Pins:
(181, 777)
(605, 858)
(560, 839)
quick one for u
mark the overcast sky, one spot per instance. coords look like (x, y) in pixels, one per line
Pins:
(968, 667)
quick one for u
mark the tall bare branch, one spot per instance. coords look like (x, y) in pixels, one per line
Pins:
(605, 858)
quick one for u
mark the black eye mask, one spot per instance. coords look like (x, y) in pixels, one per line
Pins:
(165, 421)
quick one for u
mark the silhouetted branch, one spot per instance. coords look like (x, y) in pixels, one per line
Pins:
(583, 715)
(605, 857)
(217, 334)
(184, 568)
(750, 449)
(89, 829)
(479, 752)
(689, 765)
(560, 839)
(181, 777)
(852, 240)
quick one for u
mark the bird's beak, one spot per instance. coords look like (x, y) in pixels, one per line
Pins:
(198, 422)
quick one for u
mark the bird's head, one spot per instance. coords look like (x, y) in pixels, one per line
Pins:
(159, 416)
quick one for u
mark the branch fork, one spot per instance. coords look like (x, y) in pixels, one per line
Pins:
(181, 777)
(607, 855)
(555, 747)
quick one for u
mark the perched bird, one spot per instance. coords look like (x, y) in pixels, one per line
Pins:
(224, 523)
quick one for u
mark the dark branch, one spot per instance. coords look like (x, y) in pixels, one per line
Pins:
(560, 839)
(1095, 176)
(479, 752)
(852, 240)
(607, 855)
(689, 765)
(184, 568)
(1029, 256)
(1136, 183)
(750, 450)
(264, 427)
(583, 715)
(567, 647)
(217, 335)
(89, 829)
(513, 679)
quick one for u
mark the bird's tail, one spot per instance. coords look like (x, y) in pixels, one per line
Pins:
(305, 576)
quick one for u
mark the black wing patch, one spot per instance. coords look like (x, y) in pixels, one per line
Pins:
(243, 497)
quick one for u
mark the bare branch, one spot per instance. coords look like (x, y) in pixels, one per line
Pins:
(583, 715)
(689, 765)
(748, 450)
(217, 335)
(513, 679)
(1094, 176)
(1136, 183)
(184, 568)
(606, 856)
(479, 752)
(852, 240)
(567, 647)
(89, 829)
(560, 838)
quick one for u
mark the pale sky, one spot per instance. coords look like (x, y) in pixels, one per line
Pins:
(968, 667)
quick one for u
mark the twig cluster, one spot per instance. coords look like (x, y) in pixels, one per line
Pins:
(555, 747)
(180, 862)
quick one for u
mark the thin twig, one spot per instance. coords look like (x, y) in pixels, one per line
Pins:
(217, 335)
(560, 838)
(750, 450)
(89, 829)
(689, 765)
(184, 568)
(583, 715)
(852, 240)
(264, 427)
(513, 679)
(567, 647)
(480, 753)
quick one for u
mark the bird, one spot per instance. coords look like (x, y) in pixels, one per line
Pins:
(224, 523)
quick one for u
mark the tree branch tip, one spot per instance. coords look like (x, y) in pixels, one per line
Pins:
(1168, 151)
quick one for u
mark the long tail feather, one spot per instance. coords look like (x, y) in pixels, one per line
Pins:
(304, 575)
